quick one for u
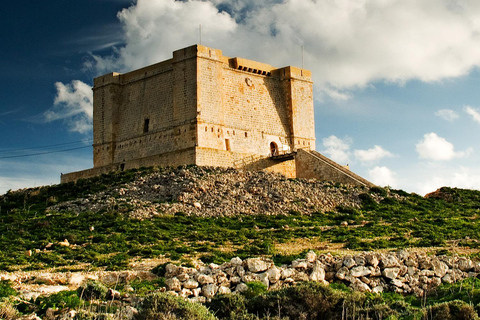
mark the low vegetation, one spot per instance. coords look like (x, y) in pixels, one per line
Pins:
(304, 301)
(32, 237)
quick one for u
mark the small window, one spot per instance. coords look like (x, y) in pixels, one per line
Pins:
(227, 144)
(246, 134)
(146, 125)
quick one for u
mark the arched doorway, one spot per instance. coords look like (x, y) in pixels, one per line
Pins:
(273, 149)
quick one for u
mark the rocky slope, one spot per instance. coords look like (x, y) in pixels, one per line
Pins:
(205, 191)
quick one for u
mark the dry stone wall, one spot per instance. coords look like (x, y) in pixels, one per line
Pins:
(401, 272)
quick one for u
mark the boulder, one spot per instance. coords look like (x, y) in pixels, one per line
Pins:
(360, 271)
(311, 256)
(318, 272)
(190, 284)
(349, 262)
(204, 279)
(173, 284)
(274, 274)
(389, 261)
(256, 265)
(209, 290)
(390, 273)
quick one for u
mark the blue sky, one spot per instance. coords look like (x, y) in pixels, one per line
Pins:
(396, 81)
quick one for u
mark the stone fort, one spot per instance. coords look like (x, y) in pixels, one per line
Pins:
(203, 108)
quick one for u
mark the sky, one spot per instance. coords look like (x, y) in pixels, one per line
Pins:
(396, 82)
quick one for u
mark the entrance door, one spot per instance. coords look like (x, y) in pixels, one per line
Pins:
(273, 149)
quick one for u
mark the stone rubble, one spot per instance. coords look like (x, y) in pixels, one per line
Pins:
(210, 192)
(404, 271)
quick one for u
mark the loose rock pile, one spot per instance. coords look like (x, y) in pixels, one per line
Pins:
(402, 272)
(208, 191)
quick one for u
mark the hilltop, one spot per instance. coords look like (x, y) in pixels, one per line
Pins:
(138, 221)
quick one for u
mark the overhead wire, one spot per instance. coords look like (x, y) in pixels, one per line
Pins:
(47, 146)
(43, 152)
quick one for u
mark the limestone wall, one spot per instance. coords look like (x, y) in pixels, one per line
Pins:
(313, 165)
(402, 272)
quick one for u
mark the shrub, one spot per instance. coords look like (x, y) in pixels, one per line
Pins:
(166, 306)
(60, 300)
(254, 289)
(228, 306)
(452, 310)
(6, 289)
(92, 290)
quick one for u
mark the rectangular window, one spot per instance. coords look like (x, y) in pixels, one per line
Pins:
(146, 125)
(227, 144)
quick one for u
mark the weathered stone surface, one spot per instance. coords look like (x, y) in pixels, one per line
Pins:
(349, 262)
(464, 264)
(318, 272)
(191, 284)
(311, 256)
(209, 290)
(360, 271)
(274, 274)
(342, 273)
(366, 277)
(288, 273)
(224, 290)
(173, 284)
(241, 287)
(300, 264)
(439, 268)
(391, 273)
(371, 259)
(256, 265)
(204, 279)
(389, 261)
(358, 285)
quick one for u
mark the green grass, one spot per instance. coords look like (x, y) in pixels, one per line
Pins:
(400, 220)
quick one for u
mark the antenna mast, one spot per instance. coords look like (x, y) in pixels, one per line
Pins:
(200, 32)
(302, 57)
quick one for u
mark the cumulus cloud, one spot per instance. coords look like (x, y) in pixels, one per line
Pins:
(372, 155)
(433, 147)
(348, 43)
(337, 149)
(473, 112)
(73, 104)
(447, 114)
(382, 176)
(460, 177)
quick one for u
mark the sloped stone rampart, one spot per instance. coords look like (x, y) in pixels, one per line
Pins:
(401, 272)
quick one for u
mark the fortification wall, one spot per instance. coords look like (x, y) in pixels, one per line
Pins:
(146, 112)
(175, 158)
(228, 159)
(313, 165)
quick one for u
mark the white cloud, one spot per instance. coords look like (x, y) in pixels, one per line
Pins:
(473, 112)
(447, 114)
(337, 149)
(461, 177)
(382, 176)
(73, 104)
(348, 43)
(436, 148)
(372, 155)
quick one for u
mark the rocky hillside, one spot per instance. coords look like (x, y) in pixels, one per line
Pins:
(215, 192)
(233, 231)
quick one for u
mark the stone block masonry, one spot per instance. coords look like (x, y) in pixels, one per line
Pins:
(405, 272)
(201, 107)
